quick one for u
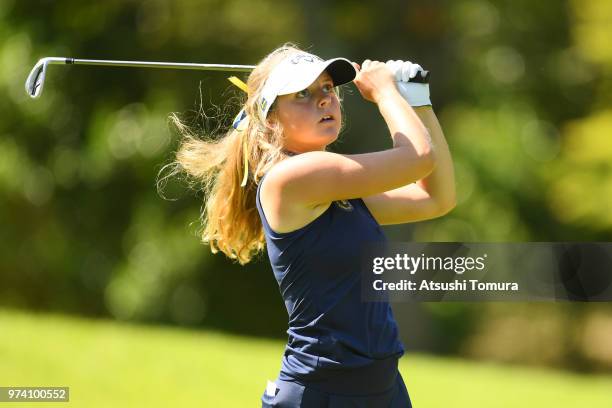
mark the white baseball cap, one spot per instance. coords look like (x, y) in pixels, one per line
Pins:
(297, 71)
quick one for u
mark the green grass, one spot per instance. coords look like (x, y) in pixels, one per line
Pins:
(111, 364)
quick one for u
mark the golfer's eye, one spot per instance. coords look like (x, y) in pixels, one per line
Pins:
(329, 88)
(304, 93)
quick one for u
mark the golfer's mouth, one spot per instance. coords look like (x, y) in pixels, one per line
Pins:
(327, 118)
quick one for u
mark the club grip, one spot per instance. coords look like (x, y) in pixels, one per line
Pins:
(422, 77)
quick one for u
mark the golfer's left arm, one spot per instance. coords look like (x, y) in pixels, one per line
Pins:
(430, 197)
(439, 185)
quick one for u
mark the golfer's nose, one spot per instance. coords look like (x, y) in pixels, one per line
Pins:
(324, 100)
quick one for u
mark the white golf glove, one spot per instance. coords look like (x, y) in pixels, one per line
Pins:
(417, 94)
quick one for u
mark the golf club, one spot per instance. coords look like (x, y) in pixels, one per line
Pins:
(35, 81)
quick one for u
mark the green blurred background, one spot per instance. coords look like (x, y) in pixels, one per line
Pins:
(91, 254)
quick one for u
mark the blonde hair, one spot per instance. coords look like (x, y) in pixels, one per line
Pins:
(230, 221)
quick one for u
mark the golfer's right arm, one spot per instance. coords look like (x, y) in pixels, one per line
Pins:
(320, 177)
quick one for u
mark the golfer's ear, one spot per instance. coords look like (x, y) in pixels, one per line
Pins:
(272, 119)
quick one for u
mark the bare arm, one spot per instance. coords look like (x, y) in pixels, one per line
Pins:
(440, 183)
(405, 125)
(430, 197)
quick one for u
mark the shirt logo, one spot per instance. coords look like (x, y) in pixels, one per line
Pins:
(344, 205)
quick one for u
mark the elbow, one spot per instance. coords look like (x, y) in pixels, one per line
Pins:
(427, 160)
(448, 204)
(446, 207)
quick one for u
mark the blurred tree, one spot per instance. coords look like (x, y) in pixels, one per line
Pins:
(580, 190)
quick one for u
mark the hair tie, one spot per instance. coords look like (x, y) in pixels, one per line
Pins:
(236, 81)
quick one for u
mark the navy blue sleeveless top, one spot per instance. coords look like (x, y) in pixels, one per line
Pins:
(337, 342)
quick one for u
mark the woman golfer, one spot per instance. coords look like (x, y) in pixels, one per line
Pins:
(271, 179)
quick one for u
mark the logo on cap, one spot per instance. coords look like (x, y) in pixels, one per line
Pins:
(304, 58)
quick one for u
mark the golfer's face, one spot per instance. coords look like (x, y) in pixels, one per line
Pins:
(310, 118)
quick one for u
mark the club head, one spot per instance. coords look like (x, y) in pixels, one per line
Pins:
(36, 80)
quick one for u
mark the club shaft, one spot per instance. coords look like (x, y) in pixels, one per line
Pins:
(153, 64)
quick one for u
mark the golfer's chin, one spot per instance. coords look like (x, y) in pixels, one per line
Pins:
(319, 140)
(329, 134)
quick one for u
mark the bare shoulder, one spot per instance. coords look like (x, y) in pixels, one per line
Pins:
(282, 213)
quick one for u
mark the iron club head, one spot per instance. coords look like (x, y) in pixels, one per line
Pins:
(36, 80)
